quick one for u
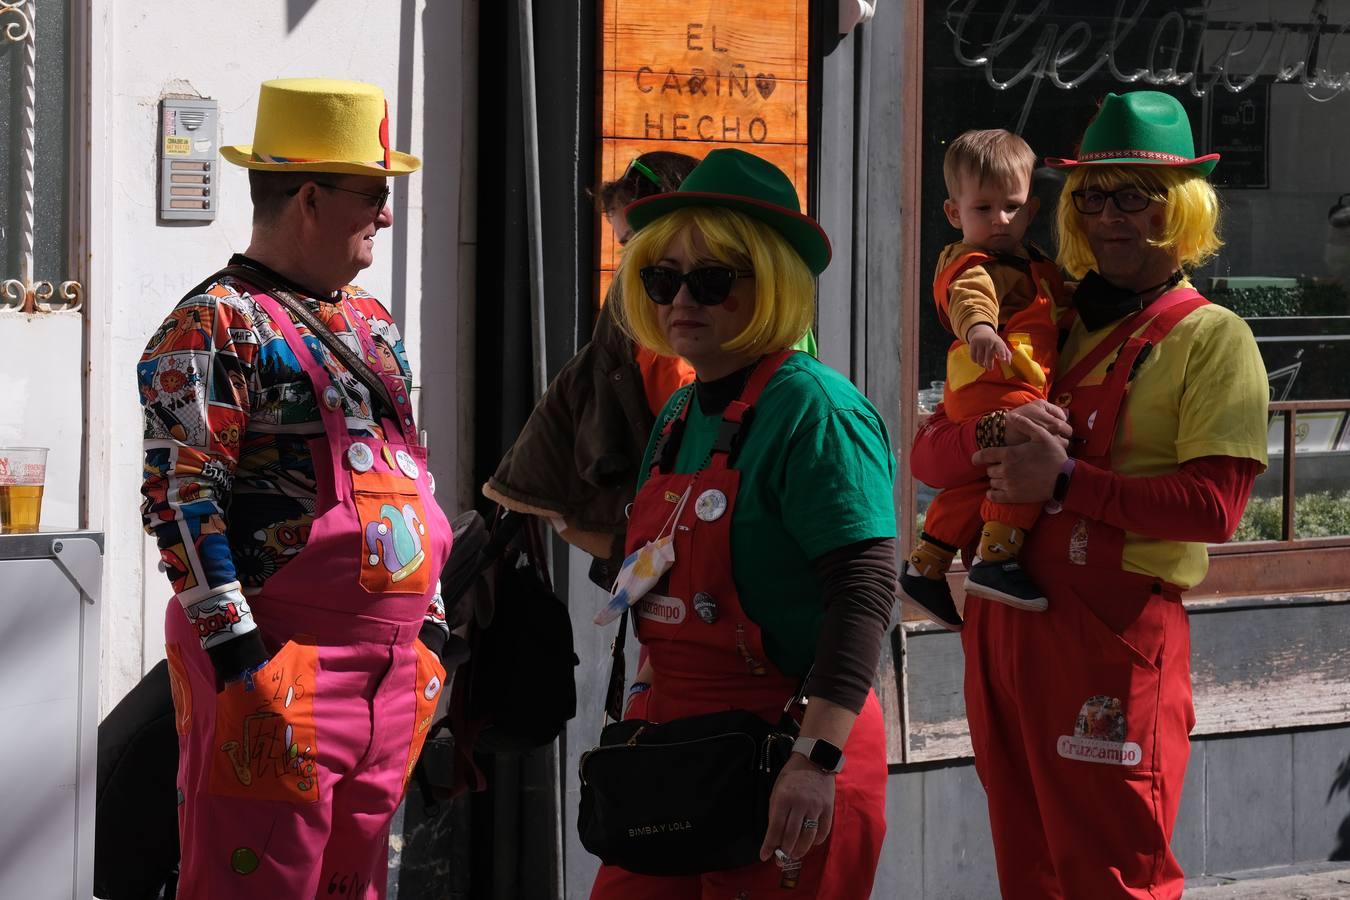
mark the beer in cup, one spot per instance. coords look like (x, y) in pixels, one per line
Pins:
(23, 470)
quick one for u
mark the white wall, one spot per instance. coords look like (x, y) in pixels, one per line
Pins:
(139, 268)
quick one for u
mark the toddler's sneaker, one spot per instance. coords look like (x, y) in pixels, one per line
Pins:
(931, 596)
(1007, 582)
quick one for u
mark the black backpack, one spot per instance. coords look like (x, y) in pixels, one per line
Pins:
(518, 688)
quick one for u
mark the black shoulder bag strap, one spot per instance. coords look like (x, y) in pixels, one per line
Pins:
(379, 391)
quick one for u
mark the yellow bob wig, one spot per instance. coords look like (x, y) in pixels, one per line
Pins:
(1191, 213)
(785, 303)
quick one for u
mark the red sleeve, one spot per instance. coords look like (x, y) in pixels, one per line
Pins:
(942, 450)
(1202, 501)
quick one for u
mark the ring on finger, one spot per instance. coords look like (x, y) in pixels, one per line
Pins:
(810, 823)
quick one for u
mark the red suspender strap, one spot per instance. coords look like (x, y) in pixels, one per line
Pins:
(1101, 425)
(1113, 342)
(733, 417)
(767, 368)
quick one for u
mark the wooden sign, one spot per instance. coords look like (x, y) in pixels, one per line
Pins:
(695, 75)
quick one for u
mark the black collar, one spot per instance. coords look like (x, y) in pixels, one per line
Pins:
(1099, 302)
(716, 395)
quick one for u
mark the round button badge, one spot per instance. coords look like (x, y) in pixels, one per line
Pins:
(407, 465)
(360, 457)
(710, 505)
(331, 398)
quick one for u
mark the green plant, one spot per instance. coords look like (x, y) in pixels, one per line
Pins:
(1307, 298)
(1323, 514)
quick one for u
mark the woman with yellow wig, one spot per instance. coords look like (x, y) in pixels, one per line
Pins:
(774, 475)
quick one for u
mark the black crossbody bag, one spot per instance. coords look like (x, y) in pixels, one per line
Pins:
(681, 797)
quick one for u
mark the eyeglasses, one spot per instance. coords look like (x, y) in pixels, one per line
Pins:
(709, 286)
(1128, 200)
(377, 199)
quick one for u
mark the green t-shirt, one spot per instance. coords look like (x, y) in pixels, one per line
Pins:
(816, 474)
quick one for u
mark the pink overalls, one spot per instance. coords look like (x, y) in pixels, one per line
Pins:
(707, 655)
(286, 791)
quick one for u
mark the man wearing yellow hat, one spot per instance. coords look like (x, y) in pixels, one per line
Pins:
(290, 498)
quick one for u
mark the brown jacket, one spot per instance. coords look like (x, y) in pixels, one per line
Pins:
(577, 457)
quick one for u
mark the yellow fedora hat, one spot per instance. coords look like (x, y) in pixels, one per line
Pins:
(321, 125)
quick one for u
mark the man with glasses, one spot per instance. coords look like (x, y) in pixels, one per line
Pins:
(1147, 451)
(288, 492)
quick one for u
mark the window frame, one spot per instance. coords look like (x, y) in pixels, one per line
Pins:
(1241, 569)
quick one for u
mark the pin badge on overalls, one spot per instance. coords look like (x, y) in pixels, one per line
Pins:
(361, 457)
(407, 465)
(710, 505)
(706, 607)
(331, 398)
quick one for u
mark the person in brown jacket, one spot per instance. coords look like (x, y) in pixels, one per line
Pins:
(575, 462)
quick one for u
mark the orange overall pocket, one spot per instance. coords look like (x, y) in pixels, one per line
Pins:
(428, 683)
(266, 741)
(395, 544)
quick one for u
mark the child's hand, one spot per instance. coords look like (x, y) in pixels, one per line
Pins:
(986, 347)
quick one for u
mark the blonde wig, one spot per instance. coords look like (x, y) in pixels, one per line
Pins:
(1190, 213)
(785, 302)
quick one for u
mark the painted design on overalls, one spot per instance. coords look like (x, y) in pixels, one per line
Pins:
(266, 738)
(345, 884)
(395, 540)
(1099, 735)
(1078, 543)
(427, 683)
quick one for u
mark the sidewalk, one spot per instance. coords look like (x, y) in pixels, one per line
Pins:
(1315, 881)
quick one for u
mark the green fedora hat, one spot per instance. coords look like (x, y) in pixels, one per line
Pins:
(1139, 128)
(741, 181)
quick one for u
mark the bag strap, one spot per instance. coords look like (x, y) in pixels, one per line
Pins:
(614, 692)
(379, 391)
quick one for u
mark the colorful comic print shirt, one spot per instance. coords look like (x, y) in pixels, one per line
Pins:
(229, 490)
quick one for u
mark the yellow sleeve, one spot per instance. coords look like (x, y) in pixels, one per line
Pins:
(1225, 394)
(972, 298)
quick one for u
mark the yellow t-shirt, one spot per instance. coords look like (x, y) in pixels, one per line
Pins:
(1202, 391)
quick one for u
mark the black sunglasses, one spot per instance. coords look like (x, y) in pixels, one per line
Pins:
(709, 286)
(377, 199)
(1128, 200)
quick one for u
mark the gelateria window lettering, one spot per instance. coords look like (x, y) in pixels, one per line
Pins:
(1267, 85)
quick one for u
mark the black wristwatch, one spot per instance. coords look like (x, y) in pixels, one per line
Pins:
(826, 756)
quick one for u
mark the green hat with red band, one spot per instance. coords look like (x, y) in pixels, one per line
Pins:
(737, 180)
(1139, 128)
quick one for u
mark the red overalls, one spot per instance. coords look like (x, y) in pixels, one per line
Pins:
(286, 791)
(970, 391)
(1080, 715)
(707, 656)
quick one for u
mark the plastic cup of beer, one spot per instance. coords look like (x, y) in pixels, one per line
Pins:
(23, 471)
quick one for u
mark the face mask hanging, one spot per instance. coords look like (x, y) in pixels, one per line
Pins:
(643, 568)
